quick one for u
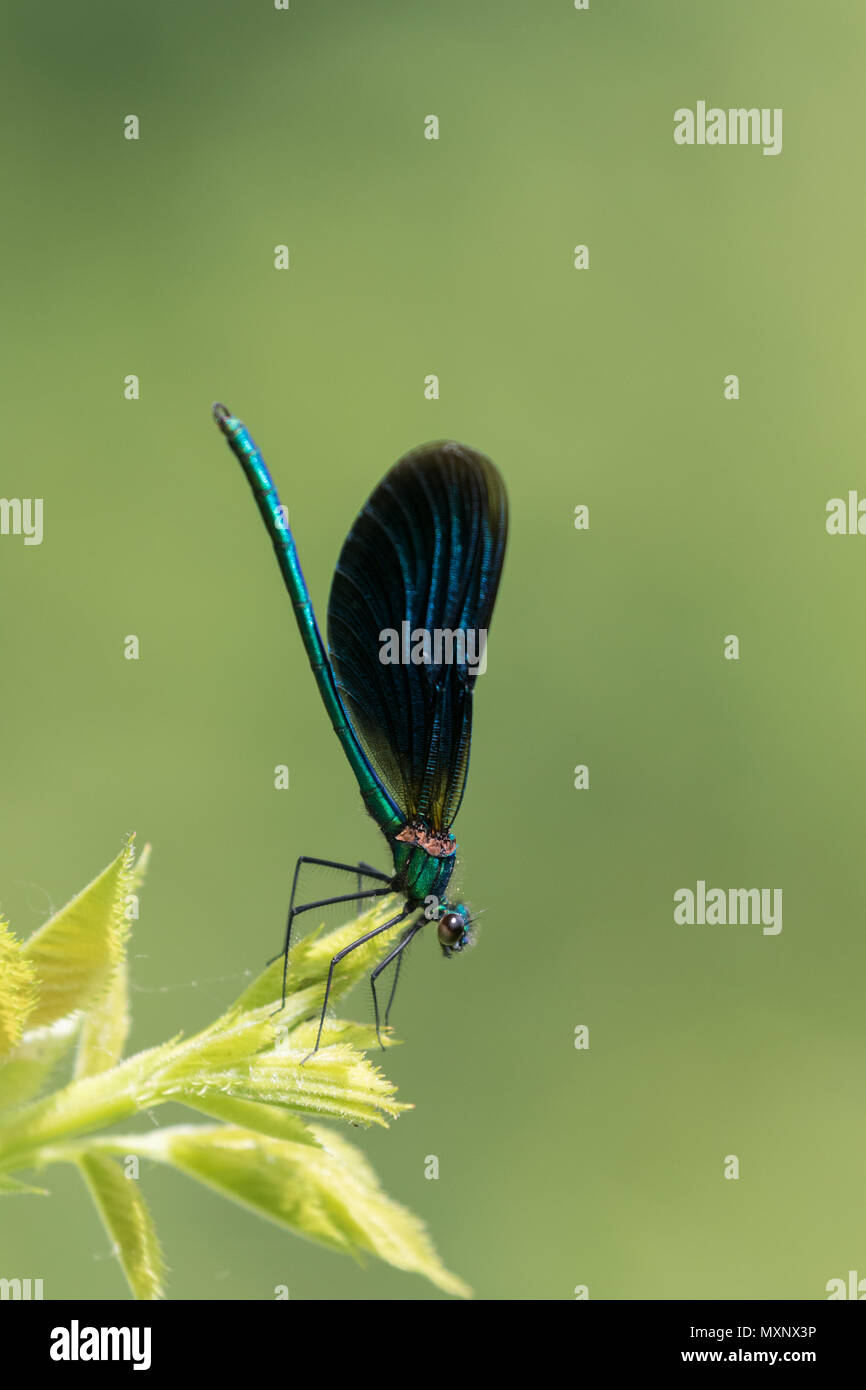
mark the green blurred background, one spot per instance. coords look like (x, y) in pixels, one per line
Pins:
(604, 387)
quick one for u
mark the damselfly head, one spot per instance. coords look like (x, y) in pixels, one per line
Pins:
(453, 930)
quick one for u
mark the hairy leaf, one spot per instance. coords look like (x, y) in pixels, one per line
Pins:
(327, 1192)
(29, 1066)
(75, 954)
(17, 989)
(127, 1220)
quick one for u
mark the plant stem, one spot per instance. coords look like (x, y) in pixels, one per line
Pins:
(82, 1106)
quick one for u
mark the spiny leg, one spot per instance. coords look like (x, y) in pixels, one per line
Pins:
(398, 953)
(368, 936)
(394, 983)
(397, 974)
(323, 902)
(366, 869)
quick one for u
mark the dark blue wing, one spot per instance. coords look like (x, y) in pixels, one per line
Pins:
(426, 551)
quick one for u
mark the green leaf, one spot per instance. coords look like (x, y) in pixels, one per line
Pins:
(17, 989)
(271, 1120)
(337, 1081)
(11, 1187)
(127, 1220)
(310, 958)
(75, 954)
(105, 1029)
(254, 1070)
(387, 1229)
(139, 869)
(26, 1070)
(327, 1192)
